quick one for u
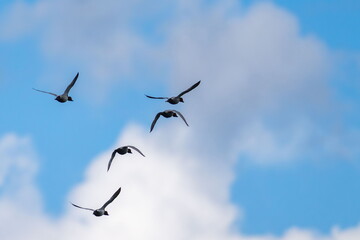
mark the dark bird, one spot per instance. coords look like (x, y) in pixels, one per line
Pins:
(167, 114)
(101, 211)
(123, 150)
(178, 98)
(65, 96)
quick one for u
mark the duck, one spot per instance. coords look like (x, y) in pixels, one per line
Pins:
(167, 114)
(176, 99)
(123, 150)
(101, 211)
(65, 96)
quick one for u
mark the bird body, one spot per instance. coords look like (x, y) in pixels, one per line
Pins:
(178, 98)
(123, 150)
(101, 211)
(175, 100)
(65, 96)
(167, 114)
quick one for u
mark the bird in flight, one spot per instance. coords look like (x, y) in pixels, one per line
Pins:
(101, 211)
(167, 114)
(65, 96)
(123, 150)
(178, 98)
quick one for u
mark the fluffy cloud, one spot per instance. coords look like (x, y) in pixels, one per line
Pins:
(167, 194)
(19, 19)
(265, 89)
(263, 82)
(17, 170)
(20, 200)
(164, 195)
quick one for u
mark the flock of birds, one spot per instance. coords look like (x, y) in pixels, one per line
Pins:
(64, 97)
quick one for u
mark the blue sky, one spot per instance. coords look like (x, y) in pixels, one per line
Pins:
(332, 21)
(286, 72)
(303, 193)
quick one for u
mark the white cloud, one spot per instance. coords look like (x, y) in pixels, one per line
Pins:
(166, 195)
(272, 146)
(17, 170)
(20, 200)
(262, 80)
(20, 18)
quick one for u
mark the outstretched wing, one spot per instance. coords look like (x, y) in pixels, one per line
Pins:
(136, 149)
(111, 159)
(156, 97)
(112, 198)
(154, 121)
(189, 89)
(67, 90)
(82, 207)
(45, 92)
(178, 113)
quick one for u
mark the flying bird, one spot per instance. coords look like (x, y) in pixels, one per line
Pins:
(65, 96)
(167, 114)
(123, 150)
(101, 211)
(178, 98)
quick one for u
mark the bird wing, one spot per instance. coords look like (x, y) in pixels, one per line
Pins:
(136, 149)
(67, 90)
(82, 207)
(177, 112)
(154, 121)
(45, 92)
(112, 198)
(156, 97)
(111, 159)
(189, 89)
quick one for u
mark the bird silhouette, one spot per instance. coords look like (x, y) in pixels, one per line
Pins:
(123, 150)
(65, 96)
(178, 98)
(167, 114)
(101, 211)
